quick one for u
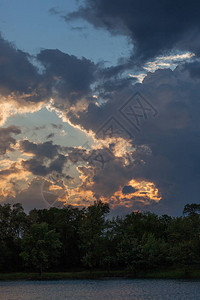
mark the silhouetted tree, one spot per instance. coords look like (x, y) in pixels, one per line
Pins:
(40, 247)
(72, 238)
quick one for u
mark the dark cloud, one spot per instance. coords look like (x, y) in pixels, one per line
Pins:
(72, 76)
(47, 158)
(69, 81)
(108, 178)
(58, 164)
(19, 77)
(38, 167)
(173, 136)
(46, 149)
(154, 27)
(128, 189)
(7, 141)
(165, 147)
(93, 157)
(35, 166)
(65, 78)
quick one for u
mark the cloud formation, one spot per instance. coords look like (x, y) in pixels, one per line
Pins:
(153, 27)
(145, 135)
(24, 88)
(7, 141)
(164, 150)
(46, 158)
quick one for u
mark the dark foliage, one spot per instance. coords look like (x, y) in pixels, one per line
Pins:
(71, 239)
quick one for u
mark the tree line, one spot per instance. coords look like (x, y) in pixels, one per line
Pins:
(69, 239)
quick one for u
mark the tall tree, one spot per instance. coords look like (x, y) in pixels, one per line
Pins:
(92, 234)
(40, 247)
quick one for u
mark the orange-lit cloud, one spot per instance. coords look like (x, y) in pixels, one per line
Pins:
(13, 179)
(145, 193)
(16, 104)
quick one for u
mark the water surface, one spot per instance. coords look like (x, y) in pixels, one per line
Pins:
(115, 289)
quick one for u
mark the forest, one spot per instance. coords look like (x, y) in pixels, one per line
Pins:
(66, 239)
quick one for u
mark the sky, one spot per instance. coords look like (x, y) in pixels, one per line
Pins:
(100, 101)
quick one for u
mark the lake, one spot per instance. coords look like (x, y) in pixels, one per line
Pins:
(101, 289)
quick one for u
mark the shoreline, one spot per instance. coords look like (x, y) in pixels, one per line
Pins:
(156, 274)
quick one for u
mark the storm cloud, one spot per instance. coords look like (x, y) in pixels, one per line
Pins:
(146, 135)
(154, 27)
